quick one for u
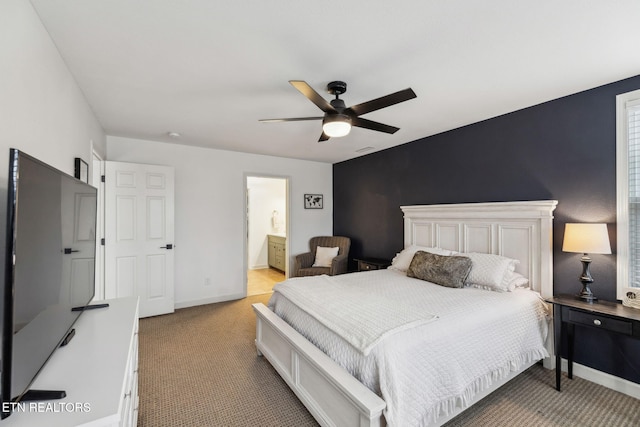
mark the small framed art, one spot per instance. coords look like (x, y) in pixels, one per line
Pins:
(81, 170)
(313, 201)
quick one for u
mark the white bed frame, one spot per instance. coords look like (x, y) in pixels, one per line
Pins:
(520, 230)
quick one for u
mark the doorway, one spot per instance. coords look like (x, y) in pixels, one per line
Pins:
(267, 232)
(139, 225)
(97, 171)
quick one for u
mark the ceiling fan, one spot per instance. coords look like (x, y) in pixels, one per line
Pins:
(338, 118)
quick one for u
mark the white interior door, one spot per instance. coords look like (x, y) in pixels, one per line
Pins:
(97, 171)
(77, 243)
(139, 246)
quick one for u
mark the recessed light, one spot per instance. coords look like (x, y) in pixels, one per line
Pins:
(174, 135)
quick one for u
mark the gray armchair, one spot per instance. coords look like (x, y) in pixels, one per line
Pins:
(303, 263)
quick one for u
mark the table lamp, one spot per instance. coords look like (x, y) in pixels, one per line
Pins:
(586, 239)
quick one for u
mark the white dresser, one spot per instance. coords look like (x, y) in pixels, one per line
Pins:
(98, 370)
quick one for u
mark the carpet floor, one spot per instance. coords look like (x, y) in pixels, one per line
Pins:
(199, 367)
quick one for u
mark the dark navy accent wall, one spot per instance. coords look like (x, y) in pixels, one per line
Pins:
(563, 149)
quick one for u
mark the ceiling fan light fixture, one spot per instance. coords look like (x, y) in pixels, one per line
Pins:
(336, 125)
(338, 118)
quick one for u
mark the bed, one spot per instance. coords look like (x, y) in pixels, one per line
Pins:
(517, 230)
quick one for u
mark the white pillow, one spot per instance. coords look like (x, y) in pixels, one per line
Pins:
(511, 282)
(517, 280)
(403, 259)
(324, 256)
(490, 271)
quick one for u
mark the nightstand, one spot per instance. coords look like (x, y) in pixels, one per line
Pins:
(608, 316)
(367, 264)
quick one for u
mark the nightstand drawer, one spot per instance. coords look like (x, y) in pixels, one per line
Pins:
(364, 266)
(368, 264)
(599, 321)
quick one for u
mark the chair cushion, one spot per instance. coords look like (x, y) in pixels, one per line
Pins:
(324, 256)
(313, 271)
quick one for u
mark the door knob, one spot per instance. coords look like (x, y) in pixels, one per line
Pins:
(169, 246)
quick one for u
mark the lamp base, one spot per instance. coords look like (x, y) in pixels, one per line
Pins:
(586, 279)
(587, 296)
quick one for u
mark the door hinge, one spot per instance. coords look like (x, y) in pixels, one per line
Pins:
(102, 242)
(102, 178)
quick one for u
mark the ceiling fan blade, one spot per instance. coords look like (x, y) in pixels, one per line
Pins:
(324, 137)
(370, 124)
(292, 119)
(382, 102)
(313, 96)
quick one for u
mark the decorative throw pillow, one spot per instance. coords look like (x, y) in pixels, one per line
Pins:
(324, 256)
(402, 260)
(450, 271)
(491, 271)
(517, 280)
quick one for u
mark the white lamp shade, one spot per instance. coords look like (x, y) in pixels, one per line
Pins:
(586, 239)
(335, 126)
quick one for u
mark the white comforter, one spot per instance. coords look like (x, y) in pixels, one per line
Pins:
(426, 372)
(352, 308)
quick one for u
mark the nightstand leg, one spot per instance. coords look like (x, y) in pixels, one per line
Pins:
(558, 371)
(558, 348)
(570, 336)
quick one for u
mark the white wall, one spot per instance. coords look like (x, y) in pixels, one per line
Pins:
(44, 113)
(266, 195)
(209, 214)
(42, 110)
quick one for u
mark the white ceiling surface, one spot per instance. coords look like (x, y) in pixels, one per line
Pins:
(211, 69)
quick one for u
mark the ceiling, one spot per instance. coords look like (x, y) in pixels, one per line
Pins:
(210, 70)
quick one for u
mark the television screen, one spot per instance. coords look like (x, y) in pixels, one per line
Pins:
(51, 236)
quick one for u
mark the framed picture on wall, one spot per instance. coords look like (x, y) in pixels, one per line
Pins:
(81, 170)
(313, 201)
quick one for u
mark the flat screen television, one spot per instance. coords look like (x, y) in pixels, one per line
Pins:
(49, 270)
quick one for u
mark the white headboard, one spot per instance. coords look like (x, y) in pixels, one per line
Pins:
(520, 230)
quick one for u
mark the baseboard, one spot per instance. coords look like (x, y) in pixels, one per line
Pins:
(259, 267)
(221, 298)
(607, 380)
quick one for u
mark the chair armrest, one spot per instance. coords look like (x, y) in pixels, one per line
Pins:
(339, 265)
(304, 260)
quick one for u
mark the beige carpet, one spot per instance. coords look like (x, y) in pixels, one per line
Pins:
(531, 400)
(198, 367)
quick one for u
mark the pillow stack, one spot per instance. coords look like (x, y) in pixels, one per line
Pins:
(403, 259)
(453, 269)
(493, 272)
